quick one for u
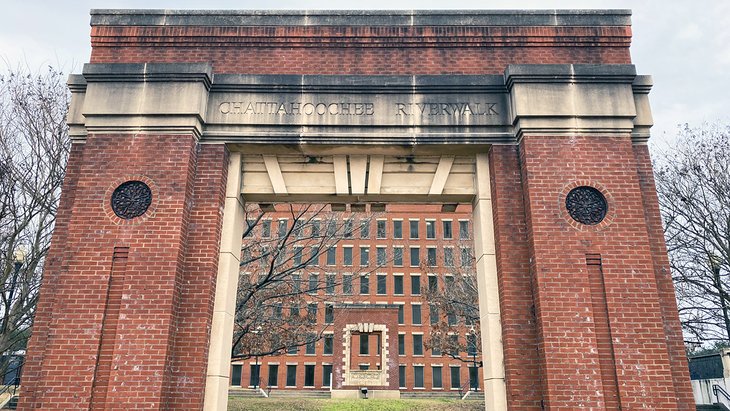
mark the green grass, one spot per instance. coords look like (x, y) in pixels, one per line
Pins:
(306, 404)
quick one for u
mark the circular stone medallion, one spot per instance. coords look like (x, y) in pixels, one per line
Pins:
(586, 205)
(131, 199)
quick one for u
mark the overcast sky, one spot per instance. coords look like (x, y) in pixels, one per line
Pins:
(684, 45)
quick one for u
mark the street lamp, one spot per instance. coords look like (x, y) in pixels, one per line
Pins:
(19, 258)
(256, 332)
(473, 353)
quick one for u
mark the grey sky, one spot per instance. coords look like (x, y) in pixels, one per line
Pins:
(685, 45)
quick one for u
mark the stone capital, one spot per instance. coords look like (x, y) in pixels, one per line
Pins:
(578, 99)
(131, 98)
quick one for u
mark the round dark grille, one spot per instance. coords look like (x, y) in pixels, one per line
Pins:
(131, 199)
(586, 205)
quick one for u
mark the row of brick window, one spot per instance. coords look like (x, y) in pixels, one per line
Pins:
(416, 313)
(311, 256)
(383, 283)
(383, 256)
(437, 376)
(290, 376)
(366, 342)
(350, 228)
(272, 380)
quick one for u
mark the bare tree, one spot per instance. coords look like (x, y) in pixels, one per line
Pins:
(453, 304)
(693, 183)
(34, 147)
(281, 289)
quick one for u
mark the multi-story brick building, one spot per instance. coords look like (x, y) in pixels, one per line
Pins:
(387, 259)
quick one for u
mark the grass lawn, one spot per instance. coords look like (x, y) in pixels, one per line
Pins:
(306, 404)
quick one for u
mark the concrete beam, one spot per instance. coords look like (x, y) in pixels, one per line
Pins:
(277, 180)
(442, 173)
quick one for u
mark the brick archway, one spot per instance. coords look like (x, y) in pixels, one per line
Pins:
(507, 109)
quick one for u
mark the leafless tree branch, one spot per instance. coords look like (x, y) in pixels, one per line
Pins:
(282, 279)
(34, 147)
(693, 183)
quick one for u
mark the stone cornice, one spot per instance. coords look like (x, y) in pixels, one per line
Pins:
(360, 110)
(643, 120)
(573, 99)
(569, 73)
(149, 72)
(389, 18)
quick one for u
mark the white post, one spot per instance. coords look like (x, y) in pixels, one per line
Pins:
(495, 392)
(221, 333)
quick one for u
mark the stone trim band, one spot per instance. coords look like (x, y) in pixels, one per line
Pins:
(529, 18)
(372, 110)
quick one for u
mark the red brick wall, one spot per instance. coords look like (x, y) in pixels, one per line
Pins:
(572, 340)
(196, 287)
(519, 332)
(672, 328)
(33, 387)
(151, 344)
(361, 50)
